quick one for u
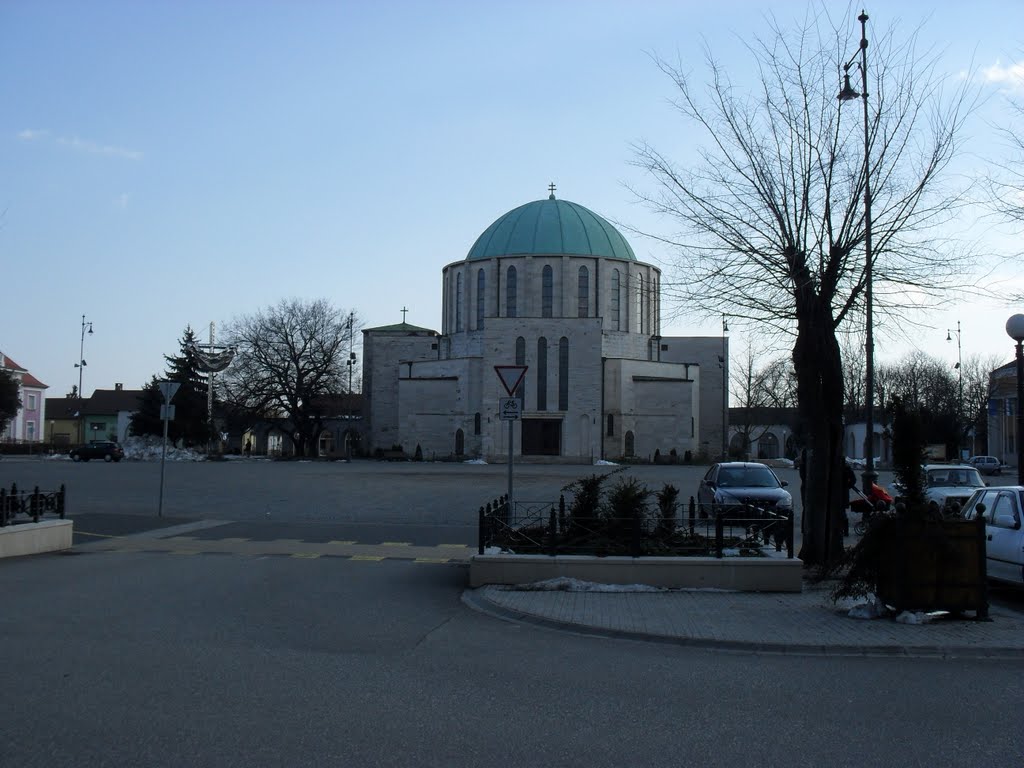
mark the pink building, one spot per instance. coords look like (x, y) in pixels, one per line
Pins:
(27, 426)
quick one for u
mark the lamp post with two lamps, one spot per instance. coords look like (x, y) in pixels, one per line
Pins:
(1015, 330)
(80, 365)
(960, 395)
(848, 93)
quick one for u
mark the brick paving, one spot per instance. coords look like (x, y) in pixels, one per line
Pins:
(806, 622)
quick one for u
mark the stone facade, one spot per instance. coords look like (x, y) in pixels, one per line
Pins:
(601, 381)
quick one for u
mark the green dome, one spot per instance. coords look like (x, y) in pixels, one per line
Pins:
(551, 226)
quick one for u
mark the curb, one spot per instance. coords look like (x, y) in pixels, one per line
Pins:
(475, 601)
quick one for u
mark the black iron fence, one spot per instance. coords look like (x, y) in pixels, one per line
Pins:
(549, 528)
(34, 503)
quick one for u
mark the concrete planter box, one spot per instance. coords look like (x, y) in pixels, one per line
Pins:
(34, 538)
(747, 574)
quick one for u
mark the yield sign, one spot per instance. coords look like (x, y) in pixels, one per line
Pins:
(511, 376)
(168, 388)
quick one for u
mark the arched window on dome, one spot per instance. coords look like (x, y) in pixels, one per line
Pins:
(583, 292)
(547, 291)
(458, 302)
(639, 303)
(542, 374)
(655, 306)
(510, 293)
(520, 360)
(563, 374)
(481, 292)
(615, 301)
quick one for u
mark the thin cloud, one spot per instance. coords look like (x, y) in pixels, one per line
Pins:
(81, 145)
(1009, 77)
(93, 148)
(122, 201)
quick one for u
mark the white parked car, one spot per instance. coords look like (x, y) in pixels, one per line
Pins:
(949, 484)
(1004, 546)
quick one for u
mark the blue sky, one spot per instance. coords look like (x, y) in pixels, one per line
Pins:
(173, 163)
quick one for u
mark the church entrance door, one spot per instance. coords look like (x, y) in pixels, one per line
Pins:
(542, 437)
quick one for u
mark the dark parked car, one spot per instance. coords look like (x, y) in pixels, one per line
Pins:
(735, 486)
(97, 449)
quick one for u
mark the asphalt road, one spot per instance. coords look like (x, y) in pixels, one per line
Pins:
(166, 659)
(114, 659)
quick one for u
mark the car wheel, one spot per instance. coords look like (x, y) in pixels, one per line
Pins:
(75, 457)
(108, 458)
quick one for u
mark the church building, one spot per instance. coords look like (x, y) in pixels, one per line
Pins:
(552, 286)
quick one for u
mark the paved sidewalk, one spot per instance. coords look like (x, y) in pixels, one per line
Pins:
(804, 623)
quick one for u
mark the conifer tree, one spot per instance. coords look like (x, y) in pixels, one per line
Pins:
(190, 423)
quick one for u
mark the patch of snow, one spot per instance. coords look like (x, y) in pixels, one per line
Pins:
(873, 610)
(474, 461)
(565, 584)
(603, 463)
(497, 551)
(730, 552)
(909, 617)
(150, 448)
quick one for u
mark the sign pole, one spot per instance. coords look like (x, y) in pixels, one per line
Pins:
(167, 390)
(509, 409)
(511, 424)
(163, 458)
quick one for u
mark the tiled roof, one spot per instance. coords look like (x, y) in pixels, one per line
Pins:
(63, 407)
(108, 401)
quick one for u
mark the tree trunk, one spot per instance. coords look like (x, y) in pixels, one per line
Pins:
(819, 369)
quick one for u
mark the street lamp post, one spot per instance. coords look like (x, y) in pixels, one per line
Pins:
(723, 359)
(960, 395)
(80, 365)
(848, 94)
(1015, 330)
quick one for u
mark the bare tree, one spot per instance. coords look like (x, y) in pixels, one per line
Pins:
(976, 371)
(290, 356)
(771, 219)
(756, 388)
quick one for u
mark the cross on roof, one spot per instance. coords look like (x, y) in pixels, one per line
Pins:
(404, 310)
(551, 189)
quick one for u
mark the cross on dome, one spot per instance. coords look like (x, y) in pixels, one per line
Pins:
(551, 189)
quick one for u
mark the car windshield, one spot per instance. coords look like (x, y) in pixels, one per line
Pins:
(747, 477)
(958, 476)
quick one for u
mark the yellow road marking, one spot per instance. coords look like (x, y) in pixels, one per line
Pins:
(431, 560)
(367, 558)
(101, 535)
(306, 555)
(396, 543)
(344, 543)
(453, 546)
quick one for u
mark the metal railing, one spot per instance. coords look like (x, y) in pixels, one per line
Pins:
(548, 528)
(34, 503)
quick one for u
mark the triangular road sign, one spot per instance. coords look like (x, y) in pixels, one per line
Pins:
(511, 376)
(168, 388)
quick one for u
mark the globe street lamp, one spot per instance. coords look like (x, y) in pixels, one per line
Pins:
(1015, 330)
(848, 94)
(960, 397)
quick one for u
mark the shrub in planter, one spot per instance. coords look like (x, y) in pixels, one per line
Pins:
(912, 558)
(668, 505)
